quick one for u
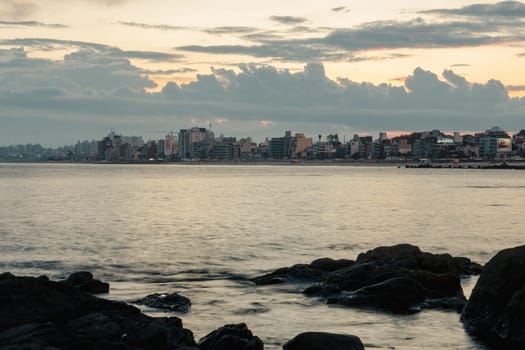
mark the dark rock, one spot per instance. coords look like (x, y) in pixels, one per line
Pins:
(172, 302)
(37, 313)
(401, 295)
(32, 336)
(466, 267)
(324, 341)
(6, 275)
(329, 265)
(231, 337)
(437, 275)
(456, 303)
(496, 308)
(299, 272)
(83, 280)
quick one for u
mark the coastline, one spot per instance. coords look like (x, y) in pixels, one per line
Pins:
(473, 164)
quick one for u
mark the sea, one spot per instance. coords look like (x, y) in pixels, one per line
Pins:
(205, 230)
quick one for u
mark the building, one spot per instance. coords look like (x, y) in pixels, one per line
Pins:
(281, 147)
(195, 143)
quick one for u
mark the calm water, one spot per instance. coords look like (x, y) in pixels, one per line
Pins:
(203, 230)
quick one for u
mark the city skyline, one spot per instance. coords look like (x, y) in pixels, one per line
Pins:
(74, 69)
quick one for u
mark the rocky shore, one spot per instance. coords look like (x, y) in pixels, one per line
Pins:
(36, 313)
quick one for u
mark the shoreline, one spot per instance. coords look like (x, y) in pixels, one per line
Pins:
(470, 165)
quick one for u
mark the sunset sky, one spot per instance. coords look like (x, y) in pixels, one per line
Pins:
(75, 69)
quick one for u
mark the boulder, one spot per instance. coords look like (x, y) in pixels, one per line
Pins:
(439, 276)
(496, 308)
(466, 267)
(329, 265)
(297, 273)
(43, 313)
(169, 301)
(316, 271)
(231, 337)
(323, 341)
(83, 280)
(400, 295)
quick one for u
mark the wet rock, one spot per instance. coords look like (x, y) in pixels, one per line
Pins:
(323, 341)
(172, 302)
(231, 337)
(32, 336)
(83, 280)
(466, 267)
(400, 295)
(437, 274)
(299, 272)
(496, 308)
(456, 303)
(316, 271)
(329, 265)
(43, 313)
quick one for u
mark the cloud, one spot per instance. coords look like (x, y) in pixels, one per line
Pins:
(288, 20)
(109, 2)
(94, 90)
(47, 44)
(513, 9)
(168, 71)
(344, 44)
(341, 9)
(458, 65)
(153, 26)
(32, 24)
(17, 9)
(230, 30)
(514, 88)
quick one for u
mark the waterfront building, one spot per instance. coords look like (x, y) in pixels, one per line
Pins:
(195, 143)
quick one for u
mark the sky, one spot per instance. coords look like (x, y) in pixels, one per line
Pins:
(73, 70)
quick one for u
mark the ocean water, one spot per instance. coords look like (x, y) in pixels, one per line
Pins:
(204, 230)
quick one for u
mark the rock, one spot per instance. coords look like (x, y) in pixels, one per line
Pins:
(32, 336)
(172, 302)
(324, 341)
(400, 295)
(43, 313)
(231, 337)
(316, 271)
(438, 275)
(467, 267)
(329, 265)
(496, 309)
(83, 280)
(299, 272)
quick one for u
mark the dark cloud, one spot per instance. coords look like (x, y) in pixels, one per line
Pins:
(48, 44)
(288, 20)
(95, 90)
(343, 44)
(285, 51)
(458, 65)
(515, 87)
(109, 2)
(169, 71)
(417, 33)
(32, 24)
(501, 9)
(153, 26)
(341, 9)
(230, 30)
